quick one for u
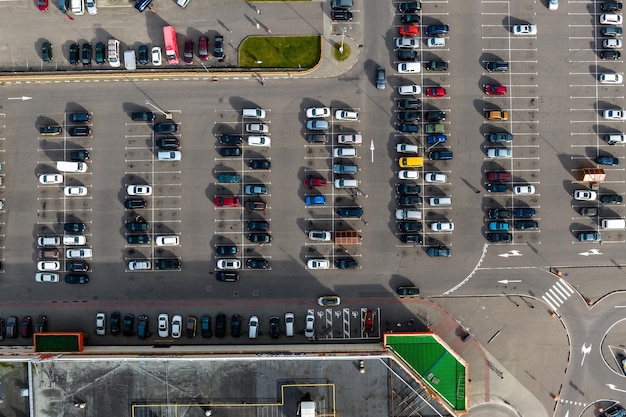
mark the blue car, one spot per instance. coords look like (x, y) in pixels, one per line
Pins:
(498, 226)
(317, 125)
(439, 251)
(315, 200)
(607, 160)
(142, 5)
(437, 30)
(407, 128)
(435, 139)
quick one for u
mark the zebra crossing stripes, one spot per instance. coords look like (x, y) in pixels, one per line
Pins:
(558, 294)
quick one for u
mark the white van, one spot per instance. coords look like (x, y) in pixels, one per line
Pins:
(614, 224)
(350, 138)
(113, 52)
(346, 183)
(253, 327)
(129, 60)
(612, 139)
(440, 201)
(67, 166)
(344, 152)
(403, 214)
(77, 7)
(253, 114)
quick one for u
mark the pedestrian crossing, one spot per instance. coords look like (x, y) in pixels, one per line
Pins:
(558, 294)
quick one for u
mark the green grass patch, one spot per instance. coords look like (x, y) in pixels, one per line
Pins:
(280, 52)
(339, 55)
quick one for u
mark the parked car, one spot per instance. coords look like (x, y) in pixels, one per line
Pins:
(203, 48)
(439, 251)
(235, 325)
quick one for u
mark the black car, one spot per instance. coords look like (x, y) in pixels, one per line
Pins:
(409, 116)
(588, 211)
(115, 323)
(499, 237)
(205, 327)
(257, 225)
(409, 227)
(74, 227)
(611, 6)
(610, 55)
(166, 127)
(409, 104)
(41, 324)
(134, 203)
(257, 263)
(436, 66)
(611, 199)
(526, 225)
(190, 328)
(274, 327)
(138, 239)
(407, 128)
(230, 139)
(220, 325)
(408, 291)
(2, 329)
(496, 187)
(77, 266)
(350, 212)
(404, 55)
(498, 66)
(408, 200)
(46, 52)
(409, 7)
(346, 263)
(142, 54)
(259, 238)
(79, 131)
(86, 54)
(142, 116)
(340, 14)
(409, 189)
(524, 212)
(230, 151)
(612, 31)
(412, 19)
(99, 53)
(437, 30)
(127, 329)
(142, 5)
(235, 325)
(167, 264)
(142, 327)
(498, 214)
(76, 279)
(226, 250)
(137, 226)
(50, 130)
(435, 116)
(74, 54)
(218, 49)
(259, 164)
(227, 276)
(414, 238)
(167, 142)
(79, 156)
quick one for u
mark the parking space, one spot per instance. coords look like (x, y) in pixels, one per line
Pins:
(347, 323)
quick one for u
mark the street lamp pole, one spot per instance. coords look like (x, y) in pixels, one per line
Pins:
(167, 115)
(343, 34)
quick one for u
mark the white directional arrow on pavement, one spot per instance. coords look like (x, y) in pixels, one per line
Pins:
(508, 281)
(511, 253)
(372, 149)
(614, 388)
(585, 350)
(591, 252)
(23, 98)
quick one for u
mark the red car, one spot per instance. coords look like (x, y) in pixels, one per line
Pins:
(43, 5)
(226, 201)
(368, 325)
(311, 181)
(495, 90)
(436, 92)
(409, 30)
(26, 326)
(203, 48)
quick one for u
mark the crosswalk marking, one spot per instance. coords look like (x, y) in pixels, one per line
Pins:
(558, 294)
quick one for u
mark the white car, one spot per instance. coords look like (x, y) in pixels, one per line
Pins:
(169, 155)
(524, 189)
(553, 4)
(46, 277)
(317, 264)
(164, 325)
(411, 43)
(320, 235)
(309, 326)
(612, 43)
(528, 30)
(436, 42)
(442, 226)
(346, 115)
(101, 319)
(407, 148)
(177, 326)
(435, 177)
(315, 112)
(290, 318)
(585, 195)
(253, 327)
(78, 191)
(156, 56)
(409, 67)
(91, 7)
(352, 138)
(407, 90)
(74, 240)
(84, 253)
(229, 264)
(257, 128)
(259, 141)
(139, 265)
(167, 240)
(499, 152)
(51, 178)
(607, 78)
(139, 190)
(614, 114)
(407, 174)
(48, 266)
(611, 19)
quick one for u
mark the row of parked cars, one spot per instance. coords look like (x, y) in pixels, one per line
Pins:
(14, 327)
